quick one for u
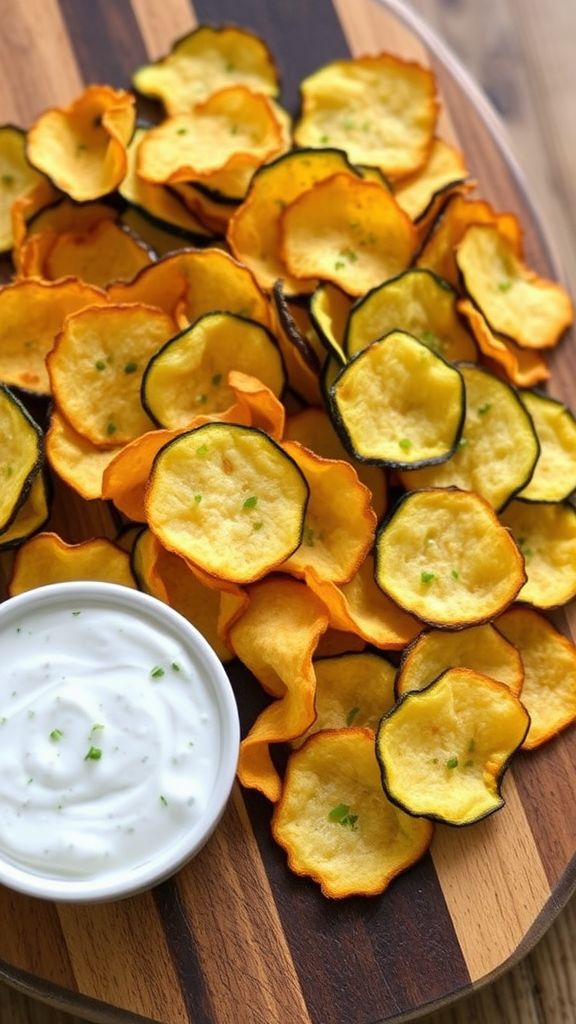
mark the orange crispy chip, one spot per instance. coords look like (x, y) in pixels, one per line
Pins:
(339, 524)
(82, 147)
(266, 410)
(278, 608)
(360, 607)
(96, 370)
(80, 464)
(348, 231)
(523, 367)
(105, 254)
(31, 315)
(48, 559)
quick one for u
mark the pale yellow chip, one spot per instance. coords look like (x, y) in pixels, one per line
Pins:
(351, 690)
(335, 822)
(444, 169)
(348, 231)
(523, 366)
(48, 559)
(105, 254)
(17, 179)
(554, 476)
(546, 536)
(380, 110)
(80, 464)
(481, 648)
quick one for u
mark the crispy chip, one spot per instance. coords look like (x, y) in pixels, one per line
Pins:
(515, 301)
(336, 824)
(21, 453)
(31, 315)
(339, 524)
(380, 110)
(329, 312)
(24, 208)
(351, 690)
(278, 608)
(18, 179)
(46, 226)
(228, 499)
(481, 648)
(31, 516)
(105, 254)
(82, 147)
(443, 555)
(546, 536)
(348, 231)
(554, 477)
(524, 367)
(336, 641)
(162, 241)
(444, 169)
(443, 750)
(549, 691)
(205, 61)
(80, 464)
(189, 375)
(96, 370)
(48, 559)
(254, 230)
(266, 410)
(498, 449)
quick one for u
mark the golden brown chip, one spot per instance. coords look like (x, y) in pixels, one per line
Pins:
(80, 464)
(481, 648)
(82, 147)
(105, 254)
(335, 822)
(18, 179)
(524, 367)
(351, 690)
(48, 559)
(546, 536)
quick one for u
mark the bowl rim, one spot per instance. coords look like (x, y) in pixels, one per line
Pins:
(128, 881)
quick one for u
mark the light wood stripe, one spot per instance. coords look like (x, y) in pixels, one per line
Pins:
(494, 886)
(161, 22)
(235, 921)
(35, 74)
(367, 25)
(102, 943)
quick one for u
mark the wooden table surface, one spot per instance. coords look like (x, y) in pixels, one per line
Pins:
(522, 53)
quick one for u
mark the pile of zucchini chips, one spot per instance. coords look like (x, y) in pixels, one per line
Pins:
(249, 329)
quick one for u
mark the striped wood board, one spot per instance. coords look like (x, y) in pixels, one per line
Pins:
(236, 938)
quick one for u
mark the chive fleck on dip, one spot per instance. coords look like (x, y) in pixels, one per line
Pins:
(118, 741)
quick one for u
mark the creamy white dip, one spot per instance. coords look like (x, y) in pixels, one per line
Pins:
(109, 740)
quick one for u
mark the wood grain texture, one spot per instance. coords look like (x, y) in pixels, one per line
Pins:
(365, 959)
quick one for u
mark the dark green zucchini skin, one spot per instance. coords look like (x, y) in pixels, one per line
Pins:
(291, 329)
(29, 424)
(547, 400)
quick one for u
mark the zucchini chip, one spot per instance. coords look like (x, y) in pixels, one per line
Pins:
(498, 449)
(205, 61)
(294, 334)
(340, 523)
(554, 477)
(546, 536)
(442, 172)
(335, 642)
(254, 230)
(96, 369)
(313, 429)
(399, 404)
(351, 690)
(17, 178)
(213, 210)
(481, 648)
(48, 559)
(228, 499)
(361, 608)
(172, 580)
(105, 254)
(21, 454)
(156, 202)
(515, 301)
(24, 208)
(82, 147)
(443, 750)
(80, 464)
(417, 302)
(335, 822)
(356, 106)
(348, 231)
(525, 367)
(31, 516)
(443, 555)
(124, 479)
(297, 329)
(31, 315)
(549, 691)
(438, 253)
(265, 410)
(162, 241)
(329, 312)
(189, 375)
(278, 608)
(44, 229)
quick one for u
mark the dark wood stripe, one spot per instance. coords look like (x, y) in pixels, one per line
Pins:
(107, 43)
(182, 948)
(307, 29)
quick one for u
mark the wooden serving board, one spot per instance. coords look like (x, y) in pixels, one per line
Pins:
(234, 937)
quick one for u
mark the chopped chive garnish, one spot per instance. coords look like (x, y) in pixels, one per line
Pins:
(3, 720)
(18, 629)
(452, 762)
(427, 577)
(197, 498)
(181, 131)
(349, 254)
(175, 666)
(111, 428)
(100, 364)
(339, 265)
(454, 574)
(216, 379)
(351, 715)
(324, 139)
(484, 408)
(56, 735)
(434, 760)
(202, 451)
(163, 800)
(130, 367)
(76, 613)
(29, 781)
(157, 672)
(504, 286)
(250, 502)
(230, 66)
(257, 526)
(341, 815)
(429, 337)
(97, 727)
(405, 444)
(31, 714)
(348, 124)
(94, 754)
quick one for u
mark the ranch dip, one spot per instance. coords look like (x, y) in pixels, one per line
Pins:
(109, 739)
